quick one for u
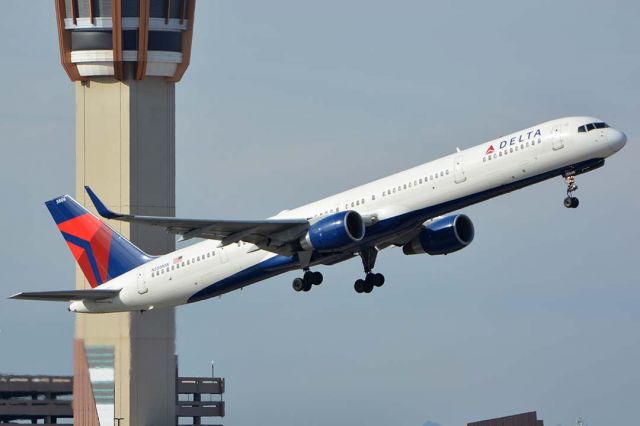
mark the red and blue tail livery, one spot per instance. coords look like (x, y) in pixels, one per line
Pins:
(101, 252)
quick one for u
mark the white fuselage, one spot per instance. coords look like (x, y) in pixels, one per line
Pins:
(398, 201)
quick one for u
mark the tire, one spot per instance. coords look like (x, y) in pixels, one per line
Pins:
(317, 278)
(298, 284)
(574, 202)
(378, 280)
(359, 286)
(568, 202)
(368, 287)
(306, 285)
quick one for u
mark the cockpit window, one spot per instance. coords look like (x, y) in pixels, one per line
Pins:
(592, 126)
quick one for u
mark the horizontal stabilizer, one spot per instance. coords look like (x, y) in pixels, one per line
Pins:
(67, 295)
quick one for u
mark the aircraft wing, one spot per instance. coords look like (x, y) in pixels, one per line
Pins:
(66, 295)
(275, 235)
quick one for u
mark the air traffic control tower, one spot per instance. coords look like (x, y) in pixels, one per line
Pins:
(124, 57)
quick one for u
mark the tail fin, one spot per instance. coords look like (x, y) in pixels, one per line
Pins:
(100, 251)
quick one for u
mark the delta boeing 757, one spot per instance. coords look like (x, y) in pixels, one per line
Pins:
(412, 209)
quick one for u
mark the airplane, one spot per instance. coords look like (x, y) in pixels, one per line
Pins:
(413, 209)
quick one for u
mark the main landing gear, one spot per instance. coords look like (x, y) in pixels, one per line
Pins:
(371, 280)
(308, 280)
(570, 201)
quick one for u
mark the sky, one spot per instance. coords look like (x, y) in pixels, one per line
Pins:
(286, 102)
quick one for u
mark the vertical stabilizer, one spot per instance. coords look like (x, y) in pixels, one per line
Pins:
(101, 252)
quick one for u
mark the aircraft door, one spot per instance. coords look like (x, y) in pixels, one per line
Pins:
(142, 283)
(557, 141)
(458, 171)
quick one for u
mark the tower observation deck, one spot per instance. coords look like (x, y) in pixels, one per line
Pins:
(125, 57)
(105, 37)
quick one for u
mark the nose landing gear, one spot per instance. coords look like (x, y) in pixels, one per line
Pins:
(570, 201)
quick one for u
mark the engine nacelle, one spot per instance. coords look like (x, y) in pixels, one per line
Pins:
(334, 232)
(442, 236)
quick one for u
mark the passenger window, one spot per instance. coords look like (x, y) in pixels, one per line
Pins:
(153, 275)
(183, 264)
(500, 154)
(188, 262)
(446, 172)
(484, 159)
(420, 181)
(357, 202)
(405, 186)
(373, 197)
(511, 149)
(394, 190)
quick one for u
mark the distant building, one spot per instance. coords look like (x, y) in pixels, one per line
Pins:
(524, 419)
(49, 399)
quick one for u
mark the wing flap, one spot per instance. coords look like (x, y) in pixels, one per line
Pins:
(66, 295)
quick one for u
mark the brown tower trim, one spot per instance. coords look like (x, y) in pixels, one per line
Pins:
(116, 24)
(91, 16)
(84, 404)
(64, 38)
(74, 11)
(186, 42)
(143, 39)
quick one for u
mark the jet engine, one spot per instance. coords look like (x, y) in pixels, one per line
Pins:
(334, 232)
(442, 236)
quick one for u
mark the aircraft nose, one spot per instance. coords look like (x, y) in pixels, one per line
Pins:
(617, 139)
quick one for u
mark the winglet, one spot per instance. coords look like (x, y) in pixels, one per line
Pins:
(102, 209)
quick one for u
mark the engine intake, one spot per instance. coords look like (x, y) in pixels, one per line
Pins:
(334, 232)
(442, 236)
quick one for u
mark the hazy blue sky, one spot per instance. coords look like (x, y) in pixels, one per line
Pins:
(289, 101)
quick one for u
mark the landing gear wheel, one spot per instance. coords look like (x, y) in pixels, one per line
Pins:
(568, 202)
(316, 278)
(378, 280)
(359, 286)
(571, 202)
(368, 287)
(298, 284)
(306, 286)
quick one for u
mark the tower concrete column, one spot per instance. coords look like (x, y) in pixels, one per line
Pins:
(125, 150)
